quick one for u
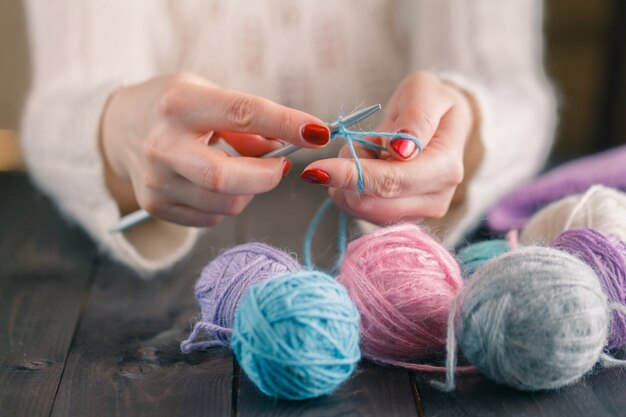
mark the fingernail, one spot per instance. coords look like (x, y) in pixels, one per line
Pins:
(286, 166)
(315, 176)
(316, 134)
(404, 147)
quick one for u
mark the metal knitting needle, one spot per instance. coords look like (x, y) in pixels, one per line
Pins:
(349, 120)
(141, 216)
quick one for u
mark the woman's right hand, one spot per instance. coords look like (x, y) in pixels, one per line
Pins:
(155, 139)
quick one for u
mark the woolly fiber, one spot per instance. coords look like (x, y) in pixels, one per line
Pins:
(223, 283)
(599, 208)
(342, 236)
(606, 168)
(297, 335)
(535, 318)
(475, 255)
(402, 281)
(606, 254)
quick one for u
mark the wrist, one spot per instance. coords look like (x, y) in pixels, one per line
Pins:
(116, 178)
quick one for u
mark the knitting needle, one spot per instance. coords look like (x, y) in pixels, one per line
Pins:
(349, 120)
(141, 216)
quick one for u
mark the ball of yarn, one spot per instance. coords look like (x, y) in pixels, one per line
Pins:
(601, 208)
(297, 335)
(224, 281)
(605, 254)
(402, 281)
(475, 255)
(536, 318)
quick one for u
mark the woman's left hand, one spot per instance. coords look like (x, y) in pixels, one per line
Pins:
(399, 184)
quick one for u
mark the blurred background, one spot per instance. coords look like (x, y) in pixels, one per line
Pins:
(585, 57)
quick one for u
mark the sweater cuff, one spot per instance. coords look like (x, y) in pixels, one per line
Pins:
(73, 173)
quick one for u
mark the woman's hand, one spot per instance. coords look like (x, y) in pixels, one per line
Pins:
(399, 184)
(155, 139)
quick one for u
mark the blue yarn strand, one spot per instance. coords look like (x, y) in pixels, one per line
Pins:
(353, 136)
(350, 136)
(312, 229)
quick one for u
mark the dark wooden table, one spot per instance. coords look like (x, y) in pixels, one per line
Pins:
(83, 336)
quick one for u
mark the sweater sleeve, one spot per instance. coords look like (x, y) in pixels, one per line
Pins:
(494, 51)
(80, 53)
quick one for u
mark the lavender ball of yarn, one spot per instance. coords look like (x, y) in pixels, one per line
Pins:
(606, 254)
(224, 281)
(297, 335)
(536, 318)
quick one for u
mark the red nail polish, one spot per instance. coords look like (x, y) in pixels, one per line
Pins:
(404, 147)
(315, 176)
(316, 134)
(286, 166)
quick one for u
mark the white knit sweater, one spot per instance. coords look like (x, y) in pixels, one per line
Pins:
(323, 57)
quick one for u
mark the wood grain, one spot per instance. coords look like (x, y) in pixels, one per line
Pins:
(602, 393)
(45, 268)
(126, 361)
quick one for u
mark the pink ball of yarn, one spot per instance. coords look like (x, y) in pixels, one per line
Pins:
(402, 281)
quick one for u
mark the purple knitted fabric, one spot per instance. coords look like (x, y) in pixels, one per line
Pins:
(606, 254)
(225, 280)
(607, 168)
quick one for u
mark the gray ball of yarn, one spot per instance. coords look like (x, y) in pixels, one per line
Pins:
(534, 319)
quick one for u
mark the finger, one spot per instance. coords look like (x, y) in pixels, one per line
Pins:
(421, 108)
(391, 211)
(248, 144)
(220, 173)
(360, 150)
(388, 178)
(203, 108)
(188, 194)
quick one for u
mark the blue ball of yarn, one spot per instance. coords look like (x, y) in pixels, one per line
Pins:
(475, 255)
(297, 335)
(536, 318)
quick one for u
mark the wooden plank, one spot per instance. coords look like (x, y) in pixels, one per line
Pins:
(45, 268)
(600, 394)
(125, 359)
(281, 219)
(372, 391)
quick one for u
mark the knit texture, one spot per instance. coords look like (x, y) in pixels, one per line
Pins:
(607, 168)
(82, 51)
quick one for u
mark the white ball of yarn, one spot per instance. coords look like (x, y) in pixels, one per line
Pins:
(601, 208)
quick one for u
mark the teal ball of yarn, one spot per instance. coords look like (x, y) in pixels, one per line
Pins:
(534, 319)
(296, 336)
(475, 255)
